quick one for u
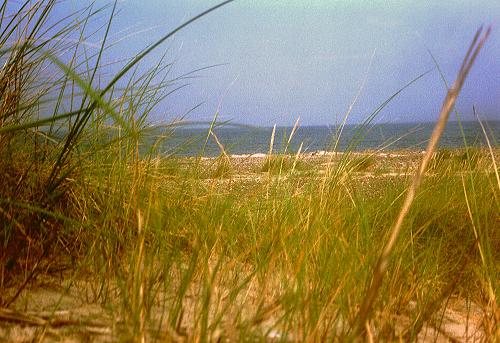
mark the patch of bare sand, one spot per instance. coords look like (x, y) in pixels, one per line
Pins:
(459, 321)
(47, 314)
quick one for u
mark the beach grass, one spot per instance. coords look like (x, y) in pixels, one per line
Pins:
(197, 249)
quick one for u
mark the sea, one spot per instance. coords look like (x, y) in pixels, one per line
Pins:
(246, 140)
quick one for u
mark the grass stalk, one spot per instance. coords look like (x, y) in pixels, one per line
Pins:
(382, 264)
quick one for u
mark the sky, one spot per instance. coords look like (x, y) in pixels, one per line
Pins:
(285, 59)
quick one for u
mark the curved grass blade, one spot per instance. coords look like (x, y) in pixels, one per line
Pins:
(89, 90)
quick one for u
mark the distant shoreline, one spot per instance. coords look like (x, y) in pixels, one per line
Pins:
(187, 125)
(312, 139)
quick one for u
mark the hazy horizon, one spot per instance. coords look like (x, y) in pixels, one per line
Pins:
(309, 59)
(194, 124)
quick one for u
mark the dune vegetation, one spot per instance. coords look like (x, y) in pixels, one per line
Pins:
(339, 247)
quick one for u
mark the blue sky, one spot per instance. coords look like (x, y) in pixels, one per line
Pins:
(286, 59)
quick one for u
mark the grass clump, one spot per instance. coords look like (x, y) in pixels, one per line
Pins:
(283, 164)
(33, 218)
(458, 159)
(362, 163)
(223, 167)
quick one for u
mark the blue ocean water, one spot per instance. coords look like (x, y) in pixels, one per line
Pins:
(185, 141)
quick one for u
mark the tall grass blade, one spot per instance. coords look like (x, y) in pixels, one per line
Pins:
(384, 258)
(490, 148)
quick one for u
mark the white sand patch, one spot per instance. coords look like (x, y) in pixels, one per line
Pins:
(256, 155)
